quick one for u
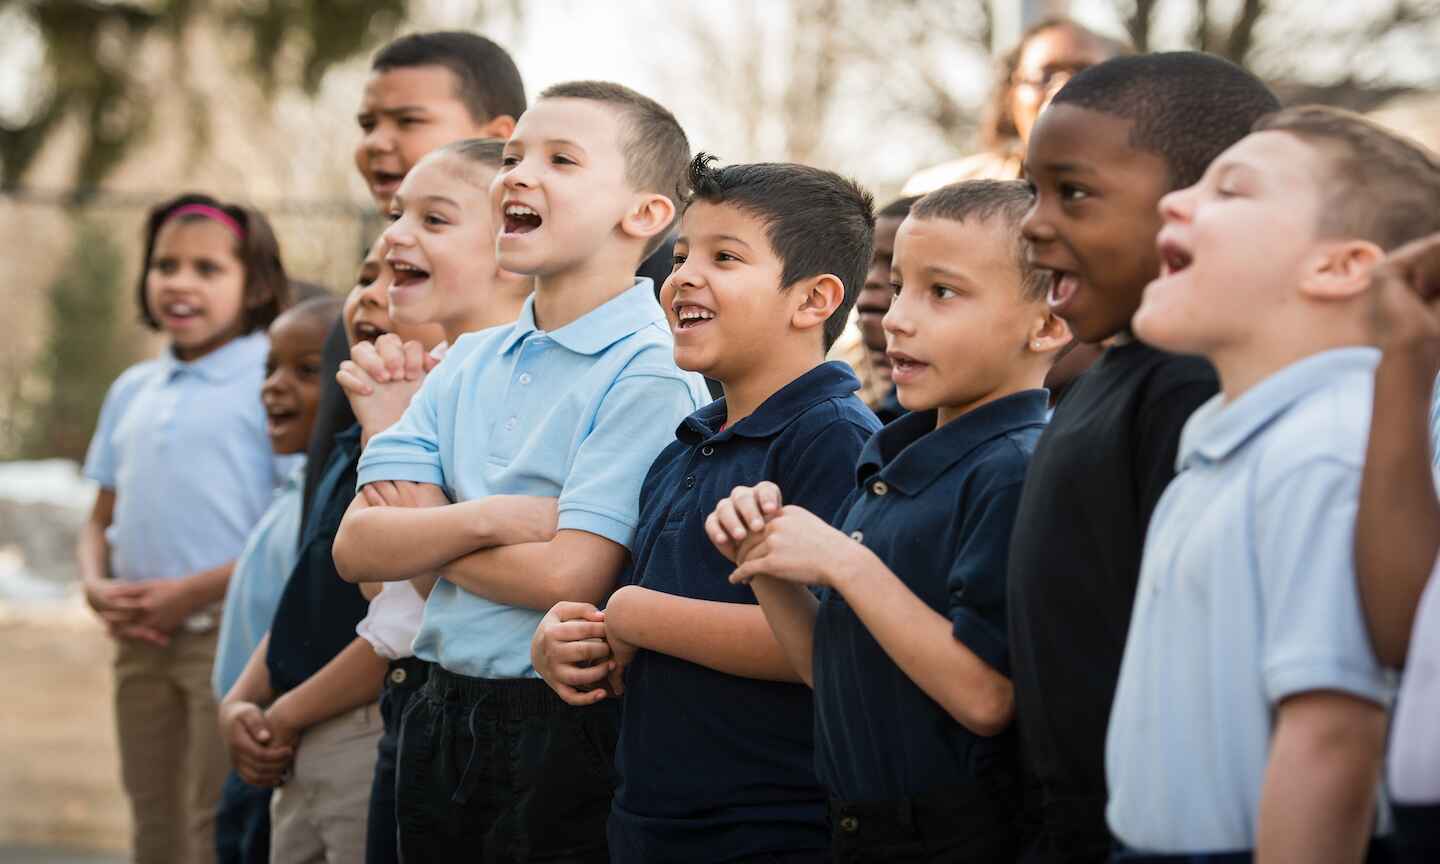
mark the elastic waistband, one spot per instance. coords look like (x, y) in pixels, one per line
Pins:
(521, 697)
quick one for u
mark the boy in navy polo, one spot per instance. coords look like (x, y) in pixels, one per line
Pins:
(767, 265)
(906, 647)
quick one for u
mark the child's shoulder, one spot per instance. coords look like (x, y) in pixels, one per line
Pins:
(1330, 424)
(127, 383)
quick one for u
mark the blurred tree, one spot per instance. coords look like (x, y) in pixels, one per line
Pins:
(87, 347)
(90, 67)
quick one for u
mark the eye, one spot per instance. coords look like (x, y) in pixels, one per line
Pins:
(207, 268)
(509, 160)
(410, 121)
(677, 261)
(943, 292)
(392, 216)
(269, 368)
(436, 219)
(726, 257)
(367, 124)
(163, 265)
(1031, 188)
(310, 370)
(562, 159)
(1071, 192)
(895, 287)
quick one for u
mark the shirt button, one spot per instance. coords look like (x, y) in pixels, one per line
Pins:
(707, 450)
(511, 424)
(690, 482)
(857, 536)
(879, 487)
(397, 676)
(525, 378)
(849, 824)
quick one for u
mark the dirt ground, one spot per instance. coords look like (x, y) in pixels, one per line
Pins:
(59, 773)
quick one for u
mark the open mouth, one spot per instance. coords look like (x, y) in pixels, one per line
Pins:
(1063, 287)
(277, 417)
(179, 311)
(1173, 258)
(367, 332)
(386, 178)
(520, 219)
(688, 317)
(407, 274)
(903, 366)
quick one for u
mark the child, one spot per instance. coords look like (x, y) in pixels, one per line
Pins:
(1115, 139)
(1251, 711)
(441, 246)
(906, 647)
(574, 400)
(185, 471)
(318, 731)
(290, 395)
(766, 265)
(1397, 530)
(874, 301)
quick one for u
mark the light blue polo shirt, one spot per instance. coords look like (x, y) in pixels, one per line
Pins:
(1247, 595)
(184, 447)
(578, 413)
(259, 578)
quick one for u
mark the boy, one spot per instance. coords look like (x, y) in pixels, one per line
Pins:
(874, 301)
(906, 647)
(1115, 139)
(290, 393)
(574, 400)
(1248, 618)
(1397, 534)
(766, 267)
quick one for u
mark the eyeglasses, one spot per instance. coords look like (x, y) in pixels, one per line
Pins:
(1047, 77)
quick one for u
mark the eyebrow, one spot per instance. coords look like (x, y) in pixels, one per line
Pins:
(440, 199)
(400, 109)
(936, 270)
(712, 237)
(1064, 167)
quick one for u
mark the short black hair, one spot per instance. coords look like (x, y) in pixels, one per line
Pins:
(267, 290)
(321, 307)
(302, 290)
(983, 201)
(487, 81)
(817, 222)
(1184, 106)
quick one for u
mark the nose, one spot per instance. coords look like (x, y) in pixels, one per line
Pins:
(378, 140)
(397, 234)
(897, 320)
(1034, 226)
(517, 175)
(273, 384)
(1175, 207)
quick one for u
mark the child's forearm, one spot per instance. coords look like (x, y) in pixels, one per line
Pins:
(733, 638)
(388, 544)
(790, 610)
(253, 685)
(1318, 801)
(93, 550)
(1397, 531)
(922, 643)
(575, 565)
(208, 586)
(353, 678)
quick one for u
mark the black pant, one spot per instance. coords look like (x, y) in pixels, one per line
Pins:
(503, 771)
(242, 823)
(404, 679)
(958, 827)
(1063, 829)
(1377, 853)
(1417, 833)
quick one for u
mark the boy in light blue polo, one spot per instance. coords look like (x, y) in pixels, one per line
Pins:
(1250, 716)
(541, 432)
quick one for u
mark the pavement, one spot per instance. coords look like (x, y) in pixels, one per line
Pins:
(27, 855)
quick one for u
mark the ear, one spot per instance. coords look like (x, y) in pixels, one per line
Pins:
(650, 216)
(1341, 270)
(501, 126)
(1048, 332)
(818, 298)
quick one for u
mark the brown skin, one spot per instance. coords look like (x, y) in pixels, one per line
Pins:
(1095, 216)
(1049, 59)
(875, 295)
(291, 391)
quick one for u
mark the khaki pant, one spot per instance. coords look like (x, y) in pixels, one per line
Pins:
(172, 760)
(322, 811)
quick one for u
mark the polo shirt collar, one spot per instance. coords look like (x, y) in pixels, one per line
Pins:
(237, 355)
(829, 380)
(597, 329)
(1218, 429)
(909, 464)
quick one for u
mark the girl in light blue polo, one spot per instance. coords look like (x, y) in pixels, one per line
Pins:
(185, 469)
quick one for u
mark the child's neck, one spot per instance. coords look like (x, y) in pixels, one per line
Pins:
(564, 297)
(1033, 380)
(497, 309)
(745, 393)
(1242, 367)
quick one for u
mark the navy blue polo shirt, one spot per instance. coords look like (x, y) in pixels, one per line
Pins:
(715, 767)
(318, 610)
(937, 506)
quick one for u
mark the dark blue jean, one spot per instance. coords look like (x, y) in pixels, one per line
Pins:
(242, 823)
(403, 680)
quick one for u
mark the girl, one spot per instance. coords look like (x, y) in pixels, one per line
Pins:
(185, 470)
(303, 710)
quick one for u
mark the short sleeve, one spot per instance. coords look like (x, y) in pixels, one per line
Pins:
(1435, 424)
(820, 474)
(102, 457)
(409, 450)
(636, 420)
(1314, 629)
(976, 582)
(1182, 384)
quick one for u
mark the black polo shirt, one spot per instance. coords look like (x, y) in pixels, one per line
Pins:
(936, 505)
(1099, 470)
(715, 767)
(318, 610)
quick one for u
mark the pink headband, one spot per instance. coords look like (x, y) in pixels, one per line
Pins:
(208, 212)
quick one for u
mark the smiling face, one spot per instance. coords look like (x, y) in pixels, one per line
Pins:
(441, 243)
(291, 390)
(1234, 246)
(960, 326)
(367, 306)
(723, 300)
(561, 189)
(875, 295)
(405, 113)
(1094, 219)
(195, 287)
